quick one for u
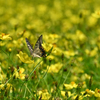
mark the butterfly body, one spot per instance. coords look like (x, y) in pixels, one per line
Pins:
(38, 50)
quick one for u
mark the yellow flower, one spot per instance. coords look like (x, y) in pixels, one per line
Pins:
(47, 46)
(16, 74)
(2, 43)
(93, 52)
(55, 67)
(17, 43)
(66, 25)
(74, 78)
(4, 36)
(80, 59)
(87, 51)
(57, 51)
(77, 97)
(81, 36)
(9, 49)
(96, 14)
(77, 70)
(55, 15)
(70, 86)
(50, 57)
(97, 93)
(74, 84)
(63, 93)
(41, 9)
(90, 92)
(74, 19)
(92, 21)
(8, 86)
(45, 95)
(2, 86)
(85, 76)
(51, 38)
(24, 57)
(69, 53)
(21, 70)
(2, 75)
(19, 74)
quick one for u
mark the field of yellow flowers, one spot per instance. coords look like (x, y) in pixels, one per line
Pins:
(71, 40)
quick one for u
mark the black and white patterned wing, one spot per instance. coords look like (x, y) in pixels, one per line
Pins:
(37, 52)
(42, 52)
(29, 46)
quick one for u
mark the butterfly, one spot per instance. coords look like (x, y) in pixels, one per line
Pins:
(38, 50)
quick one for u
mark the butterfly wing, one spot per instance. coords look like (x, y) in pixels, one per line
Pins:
(29, 46)
(38, 43)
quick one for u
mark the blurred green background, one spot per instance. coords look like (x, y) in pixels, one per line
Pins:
(71, 27)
